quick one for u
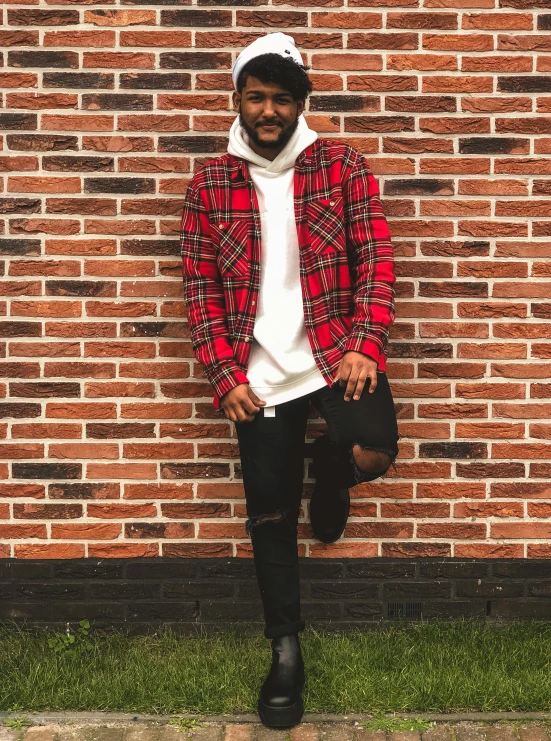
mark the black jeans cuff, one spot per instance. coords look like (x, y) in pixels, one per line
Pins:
(284, 630)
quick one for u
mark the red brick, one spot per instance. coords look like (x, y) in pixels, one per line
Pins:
(81, 247)
(37, 491)
(86, 531)
(75, 38)
(497, 21)
(18, 79)
(158, 451)
(119, 349)
(122, 17)
(66, 309)
(123, 550)
(168, 490)
(52, 122)
(415, 550)
(57, 268)
(451, 490)
(488, 550)
(83, 450)
(345, 61)
(42, 184)
(38, 101)
(488, 509)
(46, 431)
(119, 60)
(81, 410)
(49, 550)
(176, 39)
(121, 471)
(121, 511)
(96, 389)
(22, 450)
(154, 122)
(524, 530)
(458, 42)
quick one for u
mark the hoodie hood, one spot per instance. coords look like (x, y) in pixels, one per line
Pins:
(302, 137)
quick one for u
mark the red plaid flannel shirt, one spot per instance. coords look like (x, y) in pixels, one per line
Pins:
(346, 261)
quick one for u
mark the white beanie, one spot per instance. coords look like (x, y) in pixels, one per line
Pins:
(272, 43)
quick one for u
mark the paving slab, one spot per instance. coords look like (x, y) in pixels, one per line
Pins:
(442, 732)
(271, 734)
(142, 734)
(369, 735)
(533, 733)
(404, 736)
(305, 732)
(469, 732)
(6, 734)
(239, 732)
(501, 732)
(337, 731)
(208, 732)
(40, 734)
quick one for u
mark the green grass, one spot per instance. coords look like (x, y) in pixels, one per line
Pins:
(434, 666)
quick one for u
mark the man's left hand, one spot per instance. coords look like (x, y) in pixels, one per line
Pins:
(353, 371)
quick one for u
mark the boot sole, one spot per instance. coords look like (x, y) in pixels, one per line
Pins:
(281, 717)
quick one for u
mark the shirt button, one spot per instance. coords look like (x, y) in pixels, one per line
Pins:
(331, 203)
(247, 339)
(253, 303)
(221, 226)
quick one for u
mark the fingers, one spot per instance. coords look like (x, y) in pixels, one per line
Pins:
(354, 379)
(244, 408)
(350, 386)
(373, 381)
(237, 413)
(359, 387)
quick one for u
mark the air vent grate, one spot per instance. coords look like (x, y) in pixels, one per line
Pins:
(412, 610)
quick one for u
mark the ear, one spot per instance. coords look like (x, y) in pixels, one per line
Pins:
(301, 105)
(236, 100)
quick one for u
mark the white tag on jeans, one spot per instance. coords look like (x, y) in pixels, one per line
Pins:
(269, 411)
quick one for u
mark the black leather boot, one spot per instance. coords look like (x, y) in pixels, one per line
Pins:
(280, 702)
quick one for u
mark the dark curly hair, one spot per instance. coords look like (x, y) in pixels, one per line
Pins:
(287, 73)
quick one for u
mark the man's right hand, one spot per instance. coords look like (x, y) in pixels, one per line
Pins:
(241, 404)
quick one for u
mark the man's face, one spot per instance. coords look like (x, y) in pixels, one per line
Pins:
(268, 113)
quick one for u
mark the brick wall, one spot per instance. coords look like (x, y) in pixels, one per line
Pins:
(111, 446)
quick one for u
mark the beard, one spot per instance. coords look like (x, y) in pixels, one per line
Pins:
(281, 141)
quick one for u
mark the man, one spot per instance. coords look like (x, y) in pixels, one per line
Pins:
(289, 285)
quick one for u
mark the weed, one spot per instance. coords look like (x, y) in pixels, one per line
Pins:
(185, 724)
(71, 644)
(380, 722)
(16, 723)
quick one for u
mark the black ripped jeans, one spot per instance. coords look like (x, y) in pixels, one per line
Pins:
(272, 461)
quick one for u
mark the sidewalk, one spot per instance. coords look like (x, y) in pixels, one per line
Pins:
(125, 727)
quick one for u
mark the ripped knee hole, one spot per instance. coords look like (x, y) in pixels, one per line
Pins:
(376, 462)
(272, 517)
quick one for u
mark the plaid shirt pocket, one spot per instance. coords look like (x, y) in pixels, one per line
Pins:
(231, 239)
(325, 218)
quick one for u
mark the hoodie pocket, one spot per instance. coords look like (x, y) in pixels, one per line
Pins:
(325, 219)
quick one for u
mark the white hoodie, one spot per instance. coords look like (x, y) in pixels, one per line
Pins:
(281, 364)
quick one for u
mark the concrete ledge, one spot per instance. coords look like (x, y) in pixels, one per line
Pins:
(103, 718)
